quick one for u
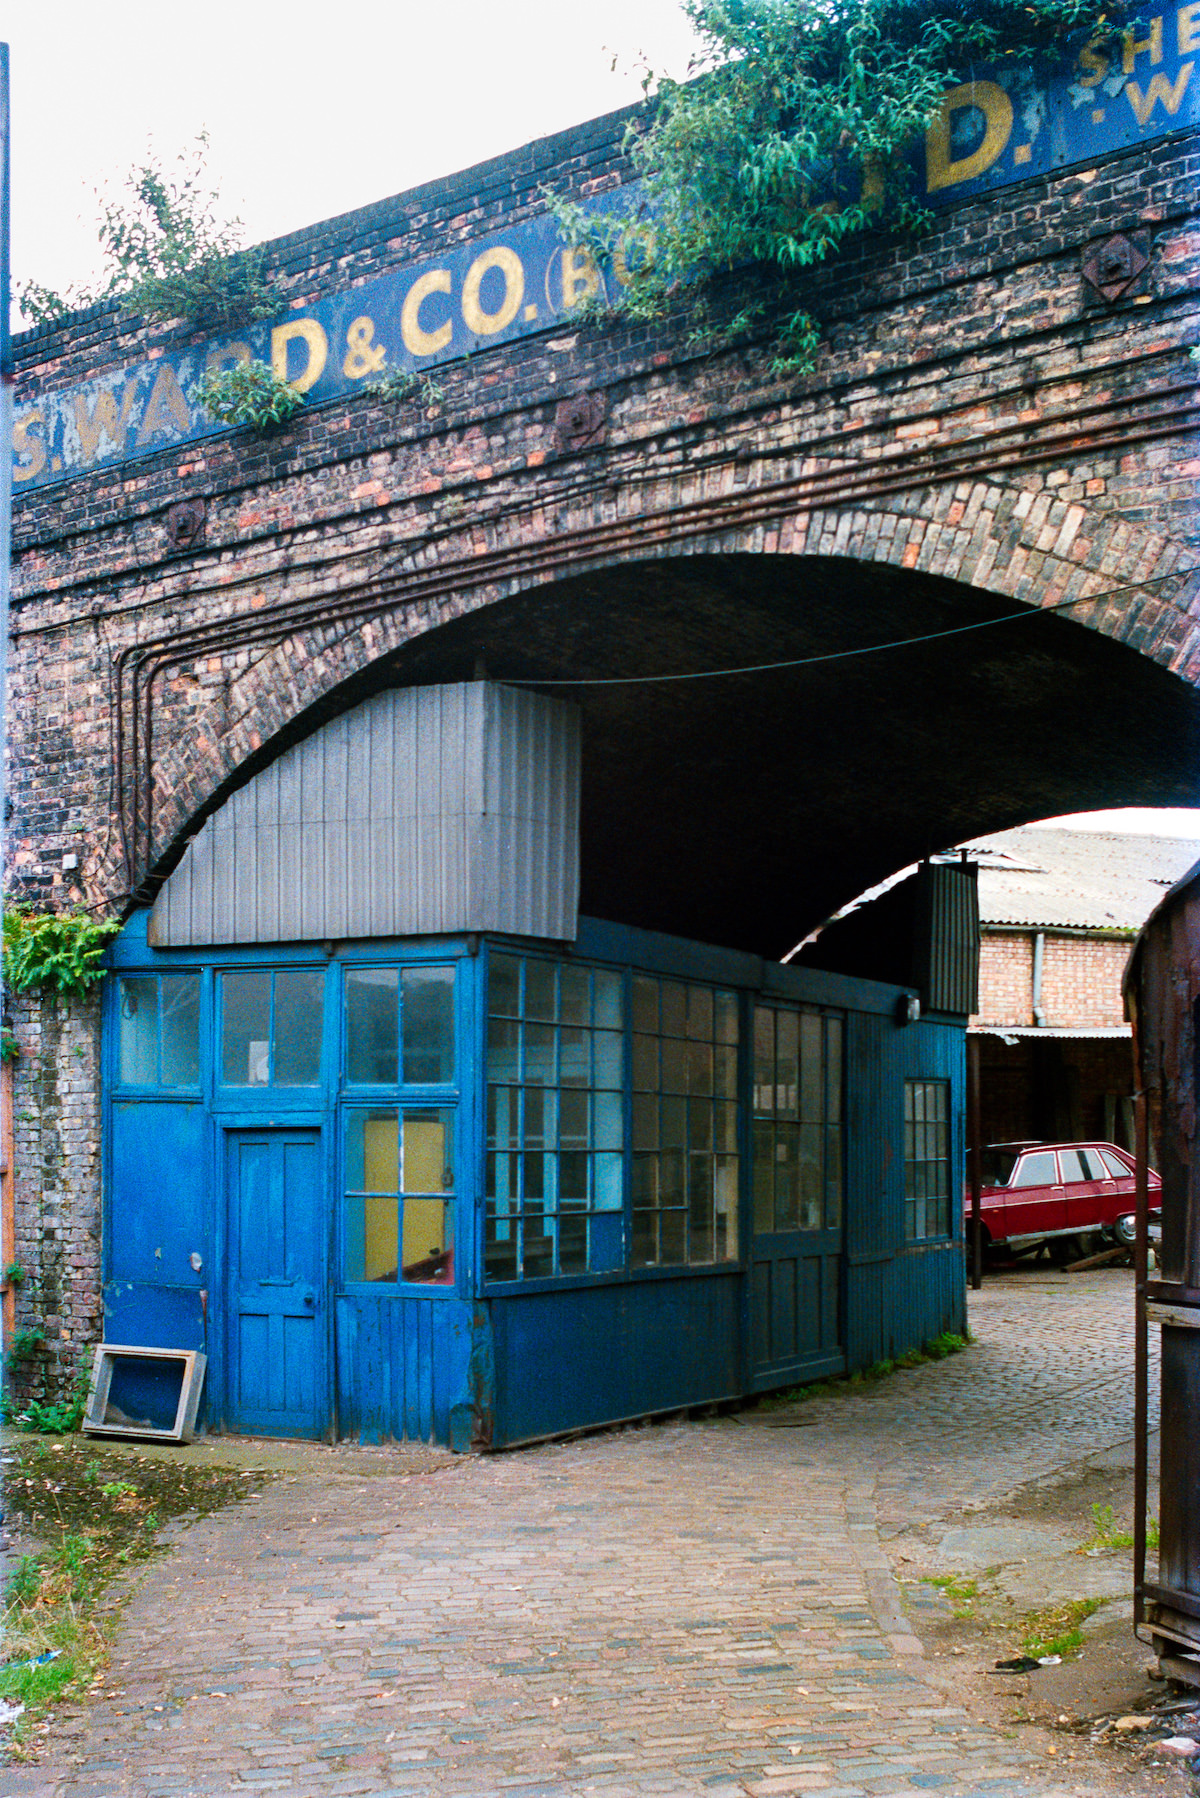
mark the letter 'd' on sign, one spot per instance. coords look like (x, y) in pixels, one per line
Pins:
(942, 169)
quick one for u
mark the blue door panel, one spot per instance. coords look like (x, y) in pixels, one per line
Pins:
(159, 1190)
(277, 1380)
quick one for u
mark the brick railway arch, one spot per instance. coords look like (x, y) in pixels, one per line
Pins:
(778, 795)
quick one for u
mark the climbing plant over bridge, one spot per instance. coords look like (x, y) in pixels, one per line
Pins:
(793, 133)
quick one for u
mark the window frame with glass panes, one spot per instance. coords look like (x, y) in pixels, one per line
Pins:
(798, 1119)
(555, 1079)
(685, 1165)
(921, 1134)
(165, 1059)
(400, 1127)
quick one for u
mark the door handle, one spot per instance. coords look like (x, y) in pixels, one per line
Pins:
(310, 1299)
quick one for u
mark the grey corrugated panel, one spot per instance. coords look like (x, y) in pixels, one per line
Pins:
(1073, 1033)
(953, 939)
(422, 811)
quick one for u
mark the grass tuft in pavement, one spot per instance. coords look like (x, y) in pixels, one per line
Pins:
(94, 1512)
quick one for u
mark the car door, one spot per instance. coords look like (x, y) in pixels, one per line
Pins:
(1035, 1204)
(1088, 1188)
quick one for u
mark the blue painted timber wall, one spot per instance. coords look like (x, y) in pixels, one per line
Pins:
(479, 1367)
(898, 1294)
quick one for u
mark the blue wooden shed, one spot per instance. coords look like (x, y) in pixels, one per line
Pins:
(411, 1150)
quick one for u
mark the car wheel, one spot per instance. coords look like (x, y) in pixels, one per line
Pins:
(1125, 1230)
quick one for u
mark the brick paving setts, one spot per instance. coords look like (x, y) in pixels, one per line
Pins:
(698, 1608)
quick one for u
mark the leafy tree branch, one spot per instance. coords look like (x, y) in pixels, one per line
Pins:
(168, 254)
(793, 134)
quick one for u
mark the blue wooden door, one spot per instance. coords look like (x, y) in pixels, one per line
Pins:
(277, 1382)
(796, 1250)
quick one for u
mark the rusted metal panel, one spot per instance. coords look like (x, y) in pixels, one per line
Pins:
(1162, 995)
(421, 812)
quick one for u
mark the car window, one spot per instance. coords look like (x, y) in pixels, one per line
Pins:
(1093, 1167)
(1036, 1170)
(1116, 1166)
(998, 1165)
(1070, 1162)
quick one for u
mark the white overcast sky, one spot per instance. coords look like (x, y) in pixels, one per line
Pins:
(312, 110)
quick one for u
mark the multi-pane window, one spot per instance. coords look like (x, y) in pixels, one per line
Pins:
(927, 1159)
(158, 1029)
(399, 1218)
(554, 1182)
(400, 1026)
(271, 1027)
(797, 1120)
(685, 1150)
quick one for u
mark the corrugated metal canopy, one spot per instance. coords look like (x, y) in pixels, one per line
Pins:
(1080, 1033)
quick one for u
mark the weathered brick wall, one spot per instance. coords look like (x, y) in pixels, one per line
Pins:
(1005, 979)
(933, 347)
(1081, 980)
(57, 1162)
(976, 414)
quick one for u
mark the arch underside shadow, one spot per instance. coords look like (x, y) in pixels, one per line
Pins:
(744, 809)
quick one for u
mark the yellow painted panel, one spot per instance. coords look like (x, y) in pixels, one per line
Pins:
(425, 1224)
(424, 1154)
(381, 1160)
(379, 1238)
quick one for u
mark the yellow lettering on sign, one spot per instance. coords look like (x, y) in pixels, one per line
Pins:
(1187, 25)
(1094, 65)
(165, 408)
(1159, 89)
(944, 170)
(486, 324)
(104, 419)
(308, 332)
(641, 237)
(417, 341)
(26, 444)
(1133, 47)
(234, 353)
(580, 276)
(363, 356)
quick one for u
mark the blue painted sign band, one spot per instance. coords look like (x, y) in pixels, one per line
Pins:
(998, 129)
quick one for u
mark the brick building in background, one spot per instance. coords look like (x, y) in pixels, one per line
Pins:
(1059, 911)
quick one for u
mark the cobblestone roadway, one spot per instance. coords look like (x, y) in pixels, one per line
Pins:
(698, 1609)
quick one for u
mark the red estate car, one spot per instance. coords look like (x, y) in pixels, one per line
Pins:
(1039, 1192)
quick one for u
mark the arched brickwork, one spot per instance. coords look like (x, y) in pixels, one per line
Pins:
(1006, 542)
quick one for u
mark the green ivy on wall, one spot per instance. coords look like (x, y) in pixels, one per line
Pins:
(59, 951)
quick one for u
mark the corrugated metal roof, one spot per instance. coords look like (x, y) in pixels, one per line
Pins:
(1044, 877)
(1080, 1032)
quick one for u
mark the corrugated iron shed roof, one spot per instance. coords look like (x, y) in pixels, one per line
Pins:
(1043, 877)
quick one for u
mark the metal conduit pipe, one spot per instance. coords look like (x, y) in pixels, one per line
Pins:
(1039, 958)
